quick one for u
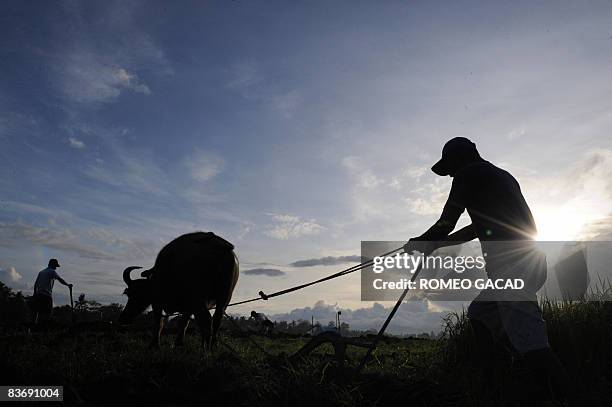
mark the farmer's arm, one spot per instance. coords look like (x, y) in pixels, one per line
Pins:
(461, 236)
(61, 280)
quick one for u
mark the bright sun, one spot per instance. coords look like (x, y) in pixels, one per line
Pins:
(561, 224)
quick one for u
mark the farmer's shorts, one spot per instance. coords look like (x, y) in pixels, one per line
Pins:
(514, 313)
(42, 304)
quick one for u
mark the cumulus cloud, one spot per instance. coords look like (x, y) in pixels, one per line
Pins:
(204, 165)
(288, 227)
(264, 272)
(413, 316)
(9, 275)
(76, 143)
(326, 261)
(421, 206)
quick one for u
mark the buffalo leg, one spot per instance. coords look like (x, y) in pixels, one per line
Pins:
(204, 321)
(183, 320)
(158, 327)
(219, 311)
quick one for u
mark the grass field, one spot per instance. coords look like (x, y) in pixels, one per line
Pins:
(103, 366)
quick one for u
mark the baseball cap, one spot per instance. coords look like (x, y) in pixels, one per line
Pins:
(454, 148)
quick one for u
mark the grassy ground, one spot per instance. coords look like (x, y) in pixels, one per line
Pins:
(101, 367)
(105, 366)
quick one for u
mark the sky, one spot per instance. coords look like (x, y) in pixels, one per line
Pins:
(293, 129)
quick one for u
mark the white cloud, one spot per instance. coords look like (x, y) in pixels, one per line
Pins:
(89, 78)
(416, 172)
(94, 68)
(288, 227)
(364, 177)
(422, 206)
(130, 81)
(515, 134)
(576, 202)
(10, 275)
(381, 193)
(413, 317)
(76, 143)
(204, 165)
(244, 231)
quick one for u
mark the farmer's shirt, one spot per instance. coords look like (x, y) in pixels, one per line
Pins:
(494, 202)
(44, 281)
(502, 222)
(260, 317)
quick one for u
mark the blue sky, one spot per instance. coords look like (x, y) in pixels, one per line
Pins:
(295, 130)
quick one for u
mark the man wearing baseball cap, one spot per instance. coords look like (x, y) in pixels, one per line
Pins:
(503, 222)
(43, 291)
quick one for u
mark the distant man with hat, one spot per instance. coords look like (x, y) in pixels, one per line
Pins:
(503, 222)
(42, 300)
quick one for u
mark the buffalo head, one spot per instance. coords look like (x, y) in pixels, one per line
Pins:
(139, 294)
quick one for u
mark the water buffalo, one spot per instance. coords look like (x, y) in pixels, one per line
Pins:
(192, 274)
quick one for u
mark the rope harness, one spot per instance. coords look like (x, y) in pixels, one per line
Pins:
(264, 296)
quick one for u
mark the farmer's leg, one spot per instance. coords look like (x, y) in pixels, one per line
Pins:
(478, 313)
(545, 363)
(44, 308)
(491, 352)
(35, 309)
(527, 332)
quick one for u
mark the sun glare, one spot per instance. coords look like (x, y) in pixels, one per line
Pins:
(561, 224)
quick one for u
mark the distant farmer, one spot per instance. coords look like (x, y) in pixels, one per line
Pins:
(42, 301)
(503, 222)
(262, 321)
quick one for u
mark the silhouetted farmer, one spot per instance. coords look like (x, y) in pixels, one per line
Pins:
(42, 301)
(262, 321)
(502, 221)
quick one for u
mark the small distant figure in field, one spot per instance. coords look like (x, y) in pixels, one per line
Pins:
(42, 300)
(263, 322)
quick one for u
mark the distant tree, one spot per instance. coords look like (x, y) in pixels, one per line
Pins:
(13, 306)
